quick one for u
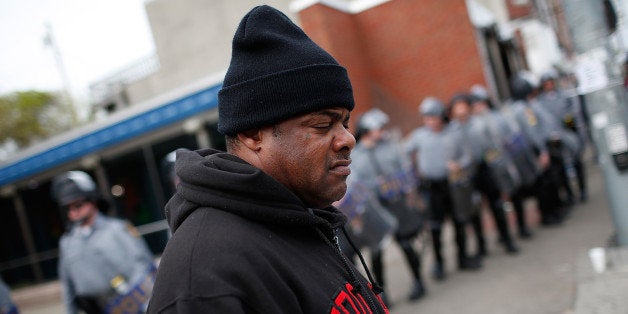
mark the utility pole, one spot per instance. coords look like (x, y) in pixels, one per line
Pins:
(50, 41)
(601, 83)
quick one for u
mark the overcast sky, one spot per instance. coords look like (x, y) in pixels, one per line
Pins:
(95, 38)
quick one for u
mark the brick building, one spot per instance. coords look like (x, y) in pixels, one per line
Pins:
(398, 52)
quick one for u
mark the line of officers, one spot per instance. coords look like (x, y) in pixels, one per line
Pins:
(467, 155)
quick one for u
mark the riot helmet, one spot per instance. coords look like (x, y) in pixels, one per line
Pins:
(548, 76)
(72, 186)
(431, 106)
(548, 80)
(455, 112)
(374, 119)
(168, 170)
(479, 94)
(520, 87)
(478, 91)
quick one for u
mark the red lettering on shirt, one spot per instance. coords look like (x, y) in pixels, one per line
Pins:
(349, 301)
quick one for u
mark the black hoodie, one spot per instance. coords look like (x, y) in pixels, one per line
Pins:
(243, 243)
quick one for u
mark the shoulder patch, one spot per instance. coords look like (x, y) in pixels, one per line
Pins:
(132, 230)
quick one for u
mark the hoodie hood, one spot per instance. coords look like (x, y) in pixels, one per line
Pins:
(222, 181)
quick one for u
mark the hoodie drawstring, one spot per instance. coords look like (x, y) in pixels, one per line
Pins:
(354, 280)
(376, 287)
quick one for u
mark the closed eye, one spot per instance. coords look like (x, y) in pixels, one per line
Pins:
(326, 119)
(322, 126)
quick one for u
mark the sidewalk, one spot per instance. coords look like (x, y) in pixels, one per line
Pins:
(552, 274)
(41, 299)
(604, 291)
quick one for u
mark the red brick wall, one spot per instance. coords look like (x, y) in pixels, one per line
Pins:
(337, 33)
(400, 52)
(517, 10)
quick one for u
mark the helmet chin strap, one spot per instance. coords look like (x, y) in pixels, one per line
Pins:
(80, 222)
(83, 220)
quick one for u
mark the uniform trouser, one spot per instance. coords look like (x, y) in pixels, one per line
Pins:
(412, 258)
(377, 265)
(547, 188)
(484, 183)
(517, 198)
(581, 175)
(88, 304)
(478, 229)
(578, 166)
(566, 184)
(440, 207)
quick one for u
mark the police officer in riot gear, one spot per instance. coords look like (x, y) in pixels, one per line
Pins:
(104, 264)
(569, 114)
(432, 151)
(379, 163)
(511, 165)
(463, 124)
(477, 135)
(542, 131)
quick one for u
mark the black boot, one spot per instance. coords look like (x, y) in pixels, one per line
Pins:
(517, 202)
(524, 232)
(438, 272)
(583, 197)
(469, 263)
(465, 262)
(476, 223)
(511, 248)
(418, 290)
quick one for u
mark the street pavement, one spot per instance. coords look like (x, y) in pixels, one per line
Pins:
(551, 274)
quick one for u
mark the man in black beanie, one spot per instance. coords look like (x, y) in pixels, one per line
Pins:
(253, 228)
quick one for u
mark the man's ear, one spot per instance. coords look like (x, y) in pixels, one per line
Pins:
(251, 139)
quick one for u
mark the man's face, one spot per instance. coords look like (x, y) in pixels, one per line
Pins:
(435, 123)
(310, 155)
(460, 111)
(81, 211)
(375, 134)
(549, 85)
(479, 107)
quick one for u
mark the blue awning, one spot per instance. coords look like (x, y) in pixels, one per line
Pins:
(111, 135)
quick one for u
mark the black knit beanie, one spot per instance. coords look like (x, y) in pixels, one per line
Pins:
(277, 72)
